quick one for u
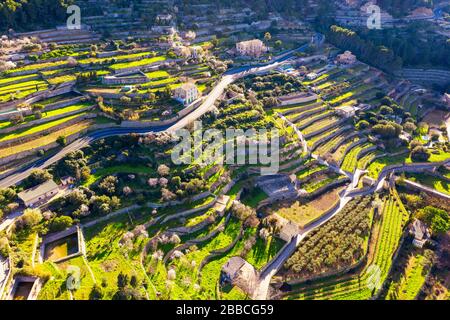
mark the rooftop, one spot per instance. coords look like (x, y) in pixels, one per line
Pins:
(38, 190)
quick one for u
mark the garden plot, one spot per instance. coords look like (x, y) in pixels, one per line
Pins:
(63, 245)
(61, 248)
(303, 213)
(23, 287)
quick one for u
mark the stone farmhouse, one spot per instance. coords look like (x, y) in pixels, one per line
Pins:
(346, 58)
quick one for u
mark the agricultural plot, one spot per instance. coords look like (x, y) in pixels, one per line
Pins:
(35, 129)
(319, 125)
(433, 182)
(340, 243)
(138, 63)
(385, 242)
(21, 89)
(412, 277)
(307, 212)
(47, 114)
(324, 148)
(351, 159)
(46, 139)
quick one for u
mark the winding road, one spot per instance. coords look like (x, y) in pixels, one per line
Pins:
(229, 77)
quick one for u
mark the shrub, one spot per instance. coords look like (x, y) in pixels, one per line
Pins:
(60, 223)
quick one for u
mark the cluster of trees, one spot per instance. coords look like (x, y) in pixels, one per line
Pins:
(399, 8)
(128, 288)
(82, 202)
(87, 77)
(416, 45)
(337, 244)
(245, 214)
(37, 177)
(274, 84)
(74, 165)
(346, 39)
(418, 152)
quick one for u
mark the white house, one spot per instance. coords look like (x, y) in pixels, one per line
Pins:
(420, 232)
(253, 48)
(346, 111)
(186, 93)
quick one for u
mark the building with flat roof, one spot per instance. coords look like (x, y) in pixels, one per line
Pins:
(39, 193)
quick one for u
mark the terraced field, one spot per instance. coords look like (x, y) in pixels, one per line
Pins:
(48, 114)
(320, 125)
(35, 129)
(351, 159)
(21, 89)
(328, 145)
(45, 140)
